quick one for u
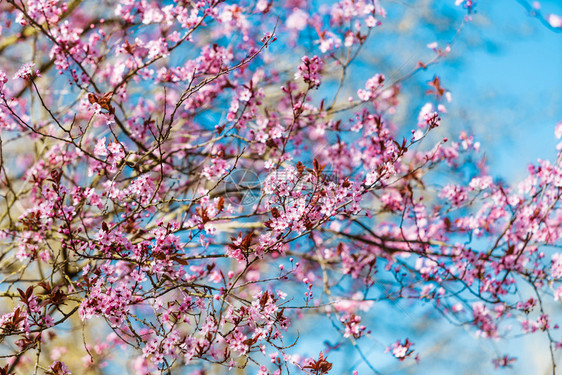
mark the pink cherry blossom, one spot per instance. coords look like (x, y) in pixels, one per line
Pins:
(189, 185)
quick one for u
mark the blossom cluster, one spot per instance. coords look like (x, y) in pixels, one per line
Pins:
(128, 226)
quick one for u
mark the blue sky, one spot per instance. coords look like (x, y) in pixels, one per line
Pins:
(509, 85)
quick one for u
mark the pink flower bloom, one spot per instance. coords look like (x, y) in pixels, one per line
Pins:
(556, 266)
(329, 42)
(26, 72)
(3, 81)
(100, 149)
(310, 70)
(555, 20)
(558, 130)
(59, 368)
(401, 350)
(297, 20)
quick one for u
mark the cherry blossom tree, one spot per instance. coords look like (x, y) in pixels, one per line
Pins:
(183, 182)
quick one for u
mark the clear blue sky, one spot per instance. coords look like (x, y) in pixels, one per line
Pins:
(509, 86)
